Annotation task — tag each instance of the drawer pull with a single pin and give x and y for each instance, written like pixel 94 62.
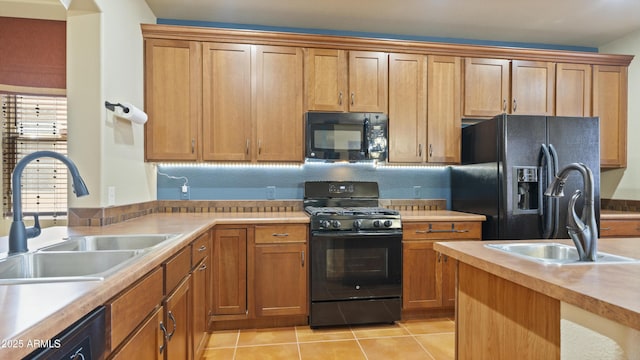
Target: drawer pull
pixel 203 267
pixel 202 248
pixel 431 230
pixel 280 234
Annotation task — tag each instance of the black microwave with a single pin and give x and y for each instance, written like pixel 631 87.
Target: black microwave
pixel 336 136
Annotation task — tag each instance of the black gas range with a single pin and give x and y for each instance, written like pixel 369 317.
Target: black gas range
pixel 355 255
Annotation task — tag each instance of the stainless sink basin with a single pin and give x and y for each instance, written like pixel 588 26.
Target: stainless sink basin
pixel 555 253
pixel 110 242
pixel 62 266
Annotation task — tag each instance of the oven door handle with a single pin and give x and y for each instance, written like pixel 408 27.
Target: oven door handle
pixel 340 234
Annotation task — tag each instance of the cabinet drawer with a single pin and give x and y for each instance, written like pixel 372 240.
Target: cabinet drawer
pixel 176 268
pixel 281 233
pixel 127 310
pixel 200 248
pixel 619 228
pixel 442 230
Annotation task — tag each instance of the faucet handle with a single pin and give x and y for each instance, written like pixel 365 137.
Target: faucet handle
pixel 35 230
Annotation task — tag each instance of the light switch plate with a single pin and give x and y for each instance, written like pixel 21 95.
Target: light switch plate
pixel 271 192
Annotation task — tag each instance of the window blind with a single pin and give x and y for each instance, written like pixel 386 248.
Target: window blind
pixel 33 123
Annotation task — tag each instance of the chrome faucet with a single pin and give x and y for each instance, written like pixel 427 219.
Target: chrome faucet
pixel 18 234
pixel 582 230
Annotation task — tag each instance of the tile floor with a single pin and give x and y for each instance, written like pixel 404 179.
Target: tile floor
pixel 431 339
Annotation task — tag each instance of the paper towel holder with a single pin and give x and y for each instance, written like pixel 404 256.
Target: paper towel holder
pixel 112 106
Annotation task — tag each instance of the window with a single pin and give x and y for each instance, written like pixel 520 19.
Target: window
pixel 33 123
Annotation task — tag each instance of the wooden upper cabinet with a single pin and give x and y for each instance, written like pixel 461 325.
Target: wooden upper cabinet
pixel 444 93
pixel 407 107
pixel 610 104
pixel 326 79
pixel 486 87
pixel 573 89
pixel 173 77
pixel 226 110
pixel 279 104
pixel 368 82
pixel 532 87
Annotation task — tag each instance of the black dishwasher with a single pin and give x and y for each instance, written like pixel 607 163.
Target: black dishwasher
pixel 85 339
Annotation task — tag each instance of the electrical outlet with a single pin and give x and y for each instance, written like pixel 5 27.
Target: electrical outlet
pixel 417 190
pixel 185 193
pixel 271 192
pixel 111 195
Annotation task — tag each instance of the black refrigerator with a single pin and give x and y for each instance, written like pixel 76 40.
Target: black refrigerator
pixel 507 163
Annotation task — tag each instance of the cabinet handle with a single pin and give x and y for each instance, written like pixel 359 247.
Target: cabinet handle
pixel 175 325
pixel 280 234
pixel 439 257
pixel 353 99
pixel 504 104
pixel 431 230
pixel 203 267
pixel 419 150
pixel 164 337
pixel 430 150
pixel 302 258
pixel 202 248
pixel 193 146
pixel 340 98
pixel 259 147
pixel 515 105
pixel 246 148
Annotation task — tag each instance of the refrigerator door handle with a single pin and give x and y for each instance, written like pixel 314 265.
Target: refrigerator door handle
pixel 546 162
pixel 555 201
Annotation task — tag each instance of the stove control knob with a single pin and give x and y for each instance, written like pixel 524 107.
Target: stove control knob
pixel 376 223
pixel 357 224
pixel 388 223
pixel 336 224
pixel 325 224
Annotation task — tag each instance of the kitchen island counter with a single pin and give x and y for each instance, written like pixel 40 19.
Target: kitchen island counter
pixel 540 293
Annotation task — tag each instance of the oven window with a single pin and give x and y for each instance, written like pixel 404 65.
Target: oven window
pixel 338 138
pixel 357 264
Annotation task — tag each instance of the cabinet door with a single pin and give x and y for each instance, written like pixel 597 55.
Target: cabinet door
pixel 486 86
pixel 443 109
pixel 177 320
pixel 532 87
pixel 421 276
pixel 610 104
pixel 449 268
pixel 173 76
pixel 147 342
pixel 573 90
pixel 407 107
pixel 281 279
pixel 229 274
pixel 279 115
pixel 226 108
pixel 326 79
pixel 200 280
pixel 368 81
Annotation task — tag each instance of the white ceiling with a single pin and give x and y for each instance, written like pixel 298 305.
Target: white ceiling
pixel 590 23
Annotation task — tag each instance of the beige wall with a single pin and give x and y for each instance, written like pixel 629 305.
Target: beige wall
pixel 625 183
pixel 104 62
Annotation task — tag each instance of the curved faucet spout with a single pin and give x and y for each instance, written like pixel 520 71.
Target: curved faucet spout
pixel 582 230
pixel 18 234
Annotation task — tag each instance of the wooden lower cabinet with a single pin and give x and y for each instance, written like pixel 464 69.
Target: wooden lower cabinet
pixel 229 274
pixel 200 280
pixel 281 279
pixel 147 342
pixel 428 278
pixel 619 228
pixel 177 320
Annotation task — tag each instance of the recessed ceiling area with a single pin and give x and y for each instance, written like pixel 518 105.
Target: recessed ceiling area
pixel 587 23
